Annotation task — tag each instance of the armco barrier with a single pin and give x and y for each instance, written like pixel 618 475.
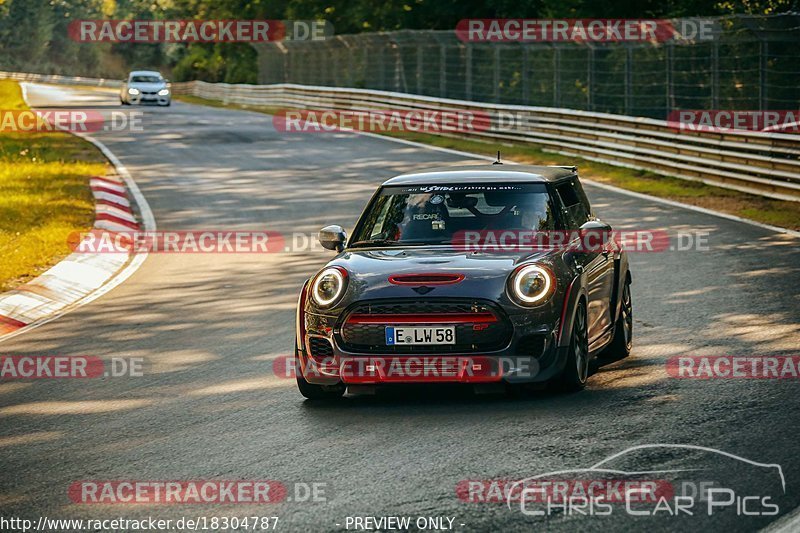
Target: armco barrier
pixel 60 80
pixel 766 164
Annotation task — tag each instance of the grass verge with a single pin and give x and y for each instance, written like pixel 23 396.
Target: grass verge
pixel 775 212
pixel 44 179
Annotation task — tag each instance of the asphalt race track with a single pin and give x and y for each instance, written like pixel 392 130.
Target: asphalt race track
pixel 208 327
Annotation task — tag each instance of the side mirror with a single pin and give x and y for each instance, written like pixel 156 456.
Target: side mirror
pixel 595 233
pixel 595 225
pixel 332 238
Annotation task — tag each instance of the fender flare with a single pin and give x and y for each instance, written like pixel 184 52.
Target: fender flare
pixel 575 291
pixel 621 273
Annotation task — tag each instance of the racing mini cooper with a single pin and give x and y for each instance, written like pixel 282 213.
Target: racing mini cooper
pixel 472 274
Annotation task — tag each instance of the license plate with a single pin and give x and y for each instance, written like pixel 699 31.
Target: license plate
pixel 408 336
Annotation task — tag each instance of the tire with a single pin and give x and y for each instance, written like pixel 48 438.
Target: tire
pixel 621 344
pixel 318 392
pixel 576 372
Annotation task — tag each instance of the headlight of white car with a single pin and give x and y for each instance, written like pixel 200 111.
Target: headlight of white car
pixel 133 91
pixel 163 92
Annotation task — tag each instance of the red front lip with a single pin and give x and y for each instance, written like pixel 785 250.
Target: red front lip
pixel 420 369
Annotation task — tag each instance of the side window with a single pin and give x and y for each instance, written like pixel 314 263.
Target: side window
pixel 574 200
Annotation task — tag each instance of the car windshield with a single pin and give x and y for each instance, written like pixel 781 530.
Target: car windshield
pixel 146 79
pixel 439 214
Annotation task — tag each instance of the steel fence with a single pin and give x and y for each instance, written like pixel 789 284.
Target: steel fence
pixel 750 64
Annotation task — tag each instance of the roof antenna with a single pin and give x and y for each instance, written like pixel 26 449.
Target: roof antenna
pixel 498 159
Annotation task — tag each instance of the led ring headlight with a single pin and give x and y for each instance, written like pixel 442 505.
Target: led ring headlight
pixel 531 284
pixel 328 286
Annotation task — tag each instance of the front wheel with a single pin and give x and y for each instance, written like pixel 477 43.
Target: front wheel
pixel 317 392
pixel 576 371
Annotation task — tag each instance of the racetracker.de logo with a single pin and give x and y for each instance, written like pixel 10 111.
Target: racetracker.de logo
pixel 584 30
pixel 380 121
pixel 732 120
pixel 734 367
pixel 98 241
pixel 562 490
pixel 177 492
pixel 175 31
pixel 591 241
pixel 198 31
pixel 71 120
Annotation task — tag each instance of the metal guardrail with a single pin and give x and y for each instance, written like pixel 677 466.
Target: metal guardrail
pixel 60 80
pixel 765 164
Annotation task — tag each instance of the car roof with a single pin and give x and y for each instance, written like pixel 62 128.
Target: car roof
pixel 144 73
pixel 484 173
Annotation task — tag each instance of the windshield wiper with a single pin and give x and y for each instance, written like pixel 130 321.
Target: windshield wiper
pixel 374 242
pixel 387 242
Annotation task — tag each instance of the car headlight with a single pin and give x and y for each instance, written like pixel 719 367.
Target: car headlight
pixel 531 285
pixel 328 286
pixel 163 92
pixel 133 91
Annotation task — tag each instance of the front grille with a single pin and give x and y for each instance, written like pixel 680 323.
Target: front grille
pixel 480 326
pixel 320 348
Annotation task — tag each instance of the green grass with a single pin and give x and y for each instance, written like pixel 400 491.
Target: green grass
pixel 44 194
pixel 750 206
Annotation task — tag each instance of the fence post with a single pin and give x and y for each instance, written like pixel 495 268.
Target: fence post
pixel 468 71
pixel 556 76
pixel 590 78
pixel 398 68
pixel 442 70
pixel 496 74
pixel 763 102
pixel 628 78
pixel 715 74
pixel 420 57
pixel 670 62
pixel 525 79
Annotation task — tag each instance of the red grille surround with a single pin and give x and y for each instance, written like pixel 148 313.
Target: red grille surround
pixel 425 279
